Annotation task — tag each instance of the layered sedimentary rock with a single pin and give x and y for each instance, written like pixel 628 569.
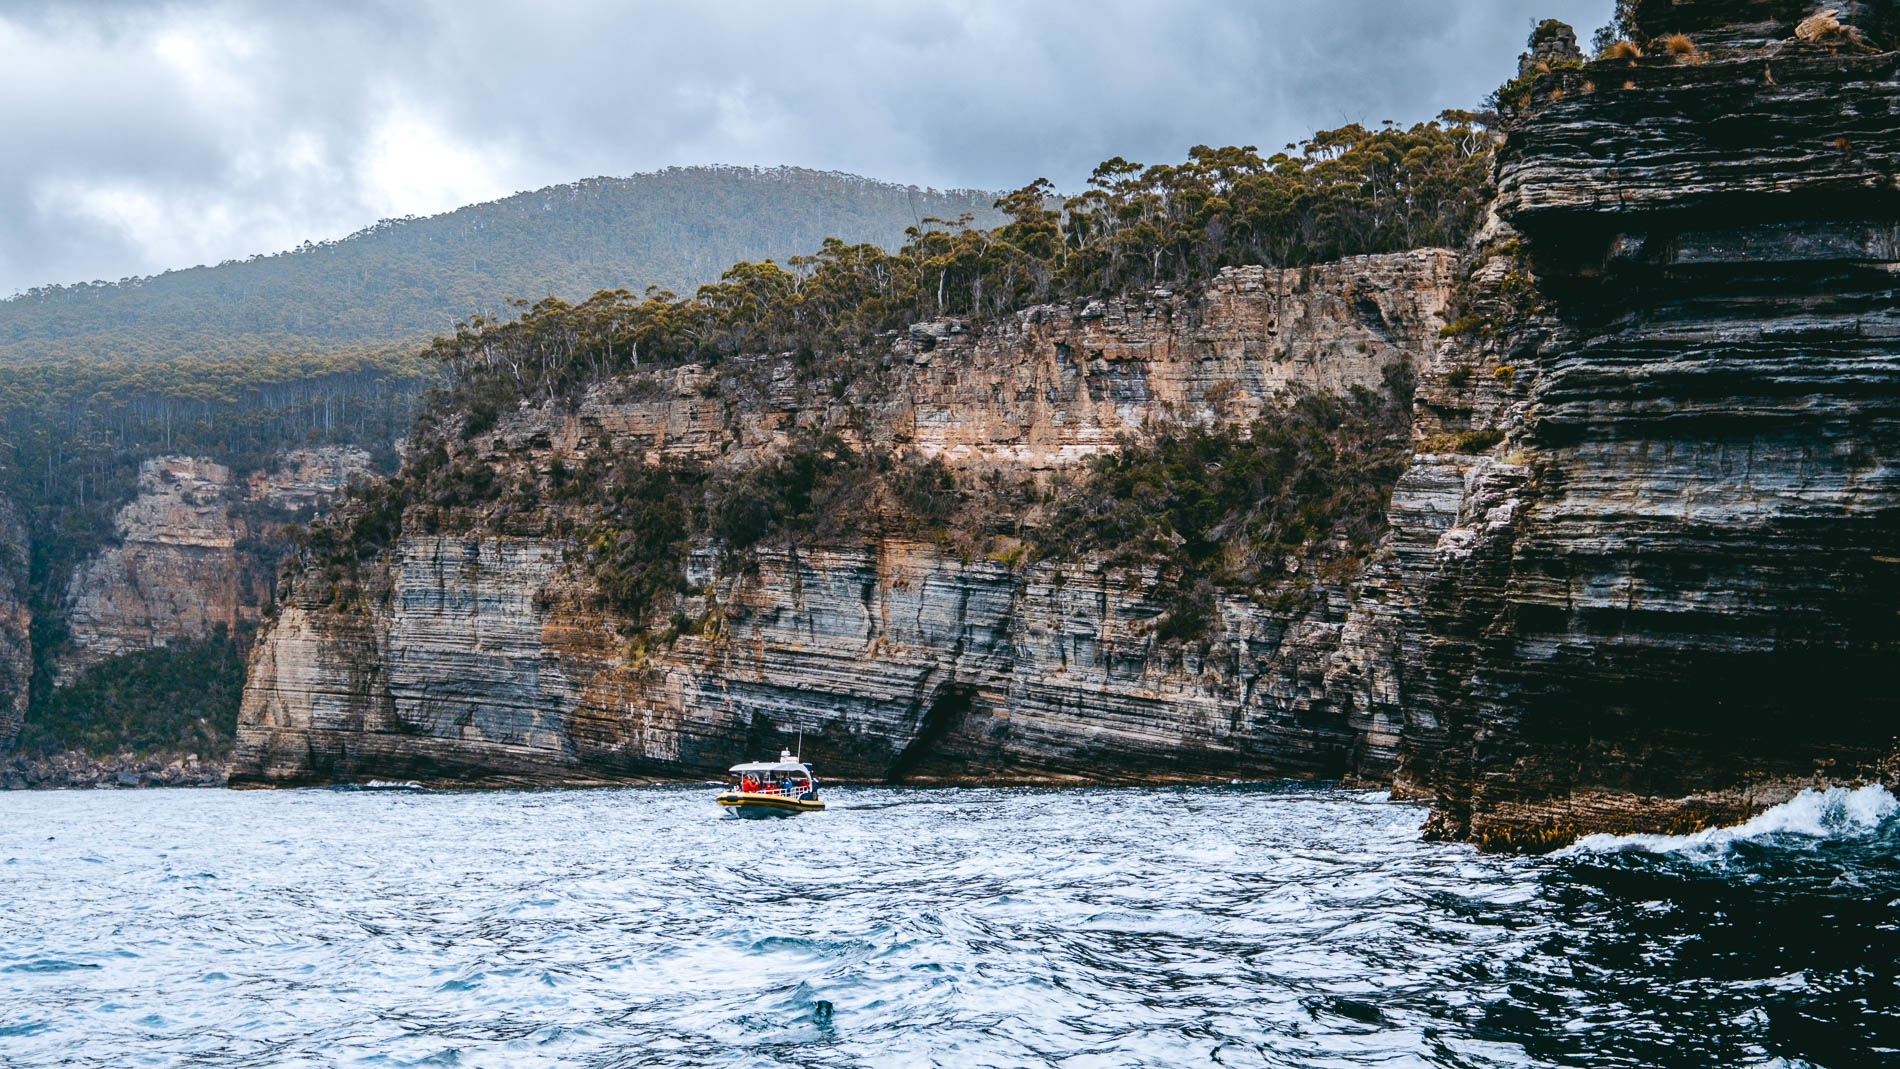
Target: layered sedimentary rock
pixel 894 660
pixel 192 555
pixel 1669 596
pixel 1048 386
pixel 485 658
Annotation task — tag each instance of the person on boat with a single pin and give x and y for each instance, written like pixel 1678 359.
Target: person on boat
pixel 749 784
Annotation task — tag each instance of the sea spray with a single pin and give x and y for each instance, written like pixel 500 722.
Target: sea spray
pixel 1834 813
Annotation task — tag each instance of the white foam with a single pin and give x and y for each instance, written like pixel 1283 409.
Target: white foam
pixel 1837 812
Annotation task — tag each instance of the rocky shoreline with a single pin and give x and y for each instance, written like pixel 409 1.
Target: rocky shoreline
pixel 75 770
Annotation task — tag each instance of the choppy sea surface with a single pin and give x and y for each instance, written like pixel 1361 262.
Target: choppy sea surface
pixel 1227 926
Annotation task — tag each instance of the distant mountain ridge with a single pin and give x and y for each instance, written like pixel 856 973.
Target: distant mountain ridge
pixel 405 280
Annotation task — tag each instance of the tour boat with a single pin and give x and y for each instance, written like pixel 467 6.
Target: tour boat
pixel 772 789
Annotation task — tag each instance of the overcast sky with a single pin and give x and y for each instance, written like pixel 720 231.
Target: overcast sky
pixel 135 137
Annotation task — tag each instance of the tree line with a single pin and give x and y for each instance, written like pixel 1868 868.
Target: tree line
pixel 402 281
pixel 1342 192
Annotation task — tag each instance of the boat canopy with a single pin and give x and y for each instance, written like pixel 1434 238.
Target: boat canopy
pixel 785 763
pixel 773 766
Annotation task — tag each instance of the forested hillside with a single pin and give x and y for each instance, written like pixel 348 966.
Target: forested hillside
pixel 404 280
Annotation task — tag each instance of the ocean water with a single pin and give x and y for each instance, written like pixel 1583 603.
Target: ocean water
pixel 1229 926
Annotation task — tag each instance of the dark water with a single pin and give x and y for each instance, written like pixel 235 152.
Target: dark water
pixel 1217 926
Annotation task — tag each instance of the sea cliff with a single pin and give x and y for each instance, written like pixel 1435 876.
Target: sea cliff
pixel 485 657
pixel 193 553
pixel 1667 597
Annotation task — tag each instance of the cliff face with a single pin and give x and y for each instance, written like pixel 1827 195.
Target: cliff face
pixel 174 574
pixel 190 557
pixel 1667 598
pixel 1042 389
pixel 483 657
pixel 895 661
pixel 303 480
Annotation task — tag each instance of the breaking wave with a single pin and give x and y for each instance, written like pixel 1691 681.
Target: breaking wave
pixel 1834 813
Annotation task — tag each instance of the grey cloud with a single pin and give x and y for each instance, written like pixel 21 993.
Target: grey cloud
pixel 138 138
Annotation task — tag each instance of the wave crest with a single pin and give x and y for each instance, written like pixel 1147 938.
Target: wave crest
pixel 1834 813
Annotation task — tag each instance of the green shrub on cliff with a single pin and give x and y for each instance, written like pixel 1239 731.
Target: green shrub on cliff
pixel 175 697
pixel 818 489
pixel 1237 505
pixel 638 545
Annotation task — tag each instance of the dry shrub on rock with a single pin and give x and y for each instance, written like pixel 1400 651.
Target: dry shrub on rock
pixel 1679 48
pixel 1620 50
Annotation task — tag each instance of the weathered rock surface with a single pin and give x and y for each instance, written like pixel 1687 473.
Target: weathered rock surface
pixel 484 658
pixel 1052 387
pixel 175 573
pixel 192 554
pixel 1668 597
pixel 1048 386
pixel 305 479
pixel 895 661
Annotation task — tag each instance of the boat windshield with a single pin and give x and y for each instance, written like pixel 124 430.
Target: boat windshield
pixel 770 783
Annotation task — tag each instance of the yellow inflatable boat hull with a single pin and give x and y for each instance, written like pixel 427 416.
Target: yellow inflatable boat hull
pixel 746 804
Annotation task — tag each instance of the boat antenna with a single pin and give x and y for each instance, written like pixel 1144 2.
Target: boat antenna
pixel 801 744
